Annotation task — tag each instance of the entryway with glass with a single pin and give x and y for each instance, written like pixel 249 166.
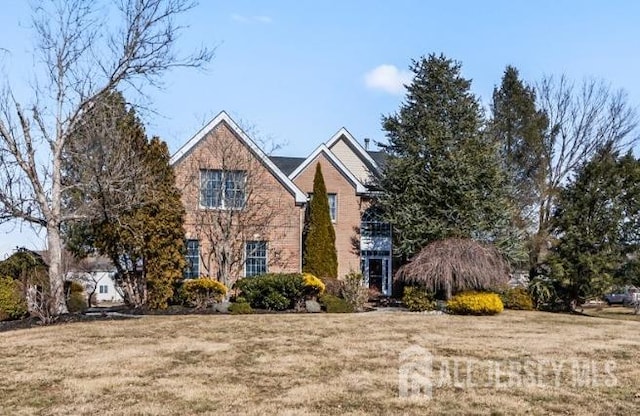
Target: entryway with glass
pixel 375 251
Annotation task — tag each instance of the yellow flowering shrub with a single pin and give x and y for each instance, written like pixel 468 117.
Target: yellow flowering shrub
pixel 312 284
pixel 475 303
pixel 203 292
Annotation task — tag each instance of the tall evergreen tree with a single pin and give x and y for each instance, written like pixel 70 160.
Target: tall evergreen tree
pixel 443 177
pixel 320 257
pixel 133 209
pixel 518 126
pixel 596 223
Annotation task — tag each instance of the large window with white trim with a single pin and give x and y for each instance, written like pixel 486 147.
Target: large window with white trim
pixel 222 189
pixel 192 270
pixel 255 258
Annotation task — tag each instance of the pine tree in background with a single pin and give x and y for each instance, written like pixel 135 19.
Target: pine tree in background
pixel 596 221
pixel 443 176
pixel 519 129
pixel 320 257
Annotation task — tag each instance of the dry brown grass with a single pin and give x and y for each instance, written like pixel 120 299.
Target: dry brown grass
pixel 307 364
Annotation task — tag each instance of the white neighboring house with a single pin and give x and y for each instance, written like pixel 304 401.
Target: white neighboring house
pixel 96 273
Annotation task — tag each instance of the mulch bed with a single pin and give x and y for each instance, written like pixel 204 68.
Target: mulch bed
pixel 32 322
pixel 123 312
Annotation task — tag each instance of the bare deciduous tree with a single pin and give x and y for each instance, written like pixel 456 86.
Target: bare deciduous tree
pixel 582 118
pixel 82 57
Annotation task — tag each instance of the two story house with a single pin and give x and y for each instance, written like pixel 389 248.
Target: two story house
pixel 246 210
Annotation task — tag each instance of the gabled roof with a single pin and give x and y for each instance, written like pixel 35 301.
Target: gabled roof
pixel 354 145
pixel 286 164
pixel 223 117
pixel 323 149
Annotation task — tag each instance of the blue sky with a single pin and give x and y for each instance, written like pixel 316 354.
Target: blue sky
pixel 297 71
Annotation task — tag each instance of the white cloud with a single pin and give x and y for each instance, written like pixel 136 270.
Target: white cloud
pixel 251 19
pixel 263 19
pixel 387 78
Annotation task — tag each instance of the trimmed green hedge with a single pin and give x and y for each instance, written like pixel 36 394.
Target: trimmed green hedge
pixel 517 298
pixel 334 304
pixel 417 299
pixel 273 291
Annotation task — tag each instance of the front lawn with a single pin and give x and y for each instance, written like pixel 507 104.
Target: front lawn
pixel 321 364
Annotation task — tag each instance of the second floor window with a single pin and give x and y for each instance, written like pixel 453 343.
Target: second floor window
pixel 333 206
pixel 223 189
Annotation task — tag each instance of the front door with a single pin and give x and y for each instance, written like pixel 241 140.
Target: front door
pixel 376 274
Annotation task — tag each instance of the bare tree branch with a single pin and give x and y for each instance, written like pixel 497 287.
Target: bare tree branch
pixel 83 56
pixel 582 118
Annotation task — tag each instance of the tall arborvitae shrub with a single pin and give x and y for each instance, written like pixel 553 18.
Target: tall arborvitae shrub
pixel 320 257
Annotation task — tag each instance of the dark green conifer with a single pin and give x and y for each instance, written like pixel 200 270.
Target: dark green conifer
pixel 320 257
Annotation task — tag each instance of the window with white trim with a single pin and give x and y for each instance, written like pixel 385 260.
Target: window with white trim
pixel 255 258
pixel 192 270
pixel 103 289
pixel 333 206
pixel 222 189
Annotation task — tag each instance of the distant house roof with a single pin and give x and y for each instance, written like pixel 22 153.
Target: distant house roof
pixel 95 264
pixel 287 164
pixel 91 263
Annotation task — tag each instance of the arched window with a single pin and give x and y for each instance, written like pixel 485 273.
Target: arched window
pixel 372 224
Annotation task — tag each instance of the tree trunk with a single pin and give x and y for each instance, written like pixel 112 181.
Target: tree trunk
pixel 58 304
pixel 224 264
pixel 134 286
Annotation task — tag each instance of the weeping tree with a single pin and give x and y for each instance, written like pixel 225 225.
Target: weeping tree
pixel 85 49
pixel 454 264
pixel 320 256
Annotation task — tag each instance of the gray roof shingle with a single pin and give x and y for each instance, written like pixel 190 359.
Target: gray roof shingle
pixel 378 156
pixel 287 164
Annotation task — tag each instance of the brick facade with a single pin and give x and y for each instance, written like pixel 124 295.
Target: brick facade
pixel 275 201
pixel 271 213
